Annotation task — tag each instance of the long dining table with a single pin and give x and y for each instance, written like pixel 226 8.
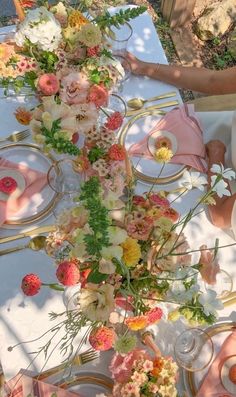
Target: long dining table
pixel 23 318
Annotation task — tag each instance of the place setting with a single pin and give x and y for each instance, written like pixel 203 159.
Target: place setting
pixel 107 291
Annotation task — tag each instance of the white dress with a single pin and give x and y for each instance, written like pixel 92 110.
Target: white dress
pixel 222 126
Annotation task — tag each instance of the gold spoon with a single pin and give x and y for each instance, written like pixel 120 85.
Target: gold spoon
pixel 137 103
pixel 36 243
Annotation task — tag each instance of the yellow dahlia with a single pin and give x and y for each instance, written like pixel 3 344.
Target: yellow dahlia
pixel 163 155
pixel 131 251
pixel 76 19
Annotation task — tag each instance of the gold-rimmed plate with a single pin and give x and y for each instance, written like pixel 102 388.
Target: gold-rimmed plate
pixel 146 169
pixel 218 333
pixel 41 203
pixel 88 384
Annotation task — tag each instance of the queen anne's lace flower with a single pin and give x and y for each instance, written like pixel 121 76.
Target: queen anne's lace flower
pixel 41 29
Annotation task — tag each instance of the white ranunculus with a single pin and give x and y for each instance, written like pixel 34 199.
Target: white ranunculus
pixel 97 302
pixel 39 28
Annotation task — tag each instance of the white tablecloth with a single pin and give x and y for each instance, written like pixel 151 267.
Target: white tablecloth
pixel 25 318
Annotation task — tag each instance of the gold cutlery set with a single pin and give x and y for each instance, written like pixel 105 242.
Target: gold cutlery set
pixel 136 104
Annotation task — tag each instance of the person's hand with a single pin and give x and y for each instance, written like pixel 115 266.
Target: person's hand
pixel 137 66
pixel 215 149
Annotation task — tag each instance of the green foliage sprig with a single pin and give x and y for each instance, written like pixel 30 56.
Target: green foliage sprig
pixel 98 218
pixel 59 144
pixel 107 20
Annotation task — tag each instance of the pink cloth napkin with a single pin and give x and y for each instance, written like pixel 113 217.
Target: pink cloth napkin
pixel 34 181
pixel 211 385
pixel 183 123
pixel 22 386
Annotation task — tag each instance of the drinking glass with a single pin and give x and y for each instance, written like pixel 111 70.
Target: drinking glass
pixel 124 74
pixel 223 285
pixel 115 104
pixel 119 42
pixel 193 349
pixel 63 178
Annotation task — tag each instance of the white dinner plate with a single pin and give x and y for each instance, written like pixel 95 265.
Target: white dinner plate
pixel 40 203
pixel 218 332
pixel 87 383
pixel 146 169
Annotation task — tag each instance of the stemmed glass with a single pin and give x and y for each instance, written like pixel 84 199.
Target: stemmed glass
pixel 124 75
pixel 115 104
pixel 119 37
pixel 193 349
pixel 223 285
pixel 63 178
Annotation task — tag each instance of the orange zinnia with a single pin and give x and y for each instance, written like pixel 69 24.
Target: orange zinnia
pixel 136 323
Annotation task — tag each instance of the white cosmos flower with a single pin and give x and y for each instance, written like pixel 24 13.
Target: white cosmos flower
pixel 210 303
pixel 220 187
pixel 193 179
pixel 227 173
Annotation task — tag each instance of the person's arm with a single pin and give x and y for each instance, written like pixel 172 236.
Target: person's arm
pixel 196 79
pixel 221 212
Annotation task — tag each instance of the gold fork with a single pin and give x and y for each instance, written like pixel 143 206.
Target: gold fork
pixel 78 360
pixel 16 136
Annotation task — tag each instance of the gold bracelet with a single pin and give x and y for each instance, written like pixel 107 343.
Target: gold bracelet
pixel 157 67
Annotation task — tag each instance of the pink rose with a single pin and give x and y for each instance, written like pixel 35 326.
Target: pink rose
pixel 75 88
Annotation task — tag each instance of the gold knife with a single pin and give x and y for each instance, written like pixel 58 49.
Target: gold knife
pixel 157 106
pixel 33 232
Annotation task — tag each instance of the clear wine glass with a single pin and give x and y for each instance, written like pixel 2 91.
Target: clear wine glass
pixel 223 285
pixel 193 349
pixel 124 73
pixel 115 104
pixel 118 40
pixel 63 178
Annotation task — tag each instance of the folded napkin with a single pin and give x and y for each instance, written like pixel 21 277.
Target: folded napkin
pixel 211 385
pixel 22 385
pixel 182 122
pixel 34 182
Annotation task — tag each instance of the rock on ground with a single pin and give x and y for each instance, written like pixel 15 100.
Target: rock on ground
pixel 216 20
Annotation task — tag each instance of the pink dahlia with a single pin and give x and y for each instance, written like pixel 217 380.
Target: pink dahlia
pixel 68 273
pixel 98 95
pixel 114 121
pixel 102 338
pixel 155 199
pixel 117 152
pixel 154 315
pixel 48 84
pixel 31 284
pixel 8 185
